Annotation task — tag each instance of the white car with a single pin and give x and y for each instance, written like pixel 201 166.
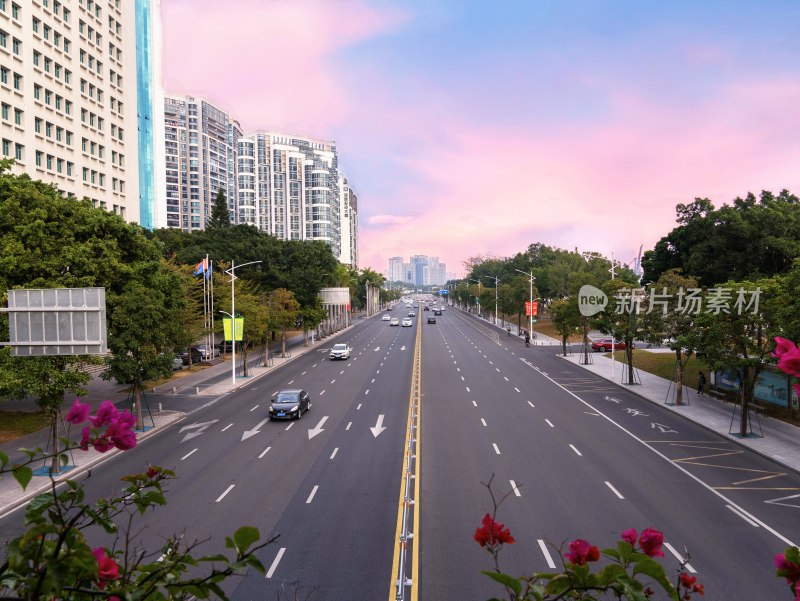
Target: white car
pixel 340 351
pixel 394 322
pixel 407 323
pixel 386 317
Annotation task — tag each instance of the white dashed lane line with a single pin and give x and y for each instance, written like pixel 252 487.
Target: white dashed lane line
pixel 614 490
pixel 577 452
pixel 226 427
pixel 549 423
pixel 546 552
pixel 275 562
pixel 289 427
pixel 515 489
pixel 188 454
pixel 531 404
pixel 348 425
pixel 483 421
pixel 264 452
pixel 254 408
pixel 677 555
pixel 496 450
pixel 227 490
pixel 336 450
pixel 313 492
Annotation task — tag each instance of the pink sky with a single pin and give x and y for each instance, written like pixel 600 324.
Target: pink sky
pixel 453 157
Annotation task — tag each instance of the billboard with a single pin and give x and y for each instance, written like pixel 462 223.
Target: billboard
pixel 57 321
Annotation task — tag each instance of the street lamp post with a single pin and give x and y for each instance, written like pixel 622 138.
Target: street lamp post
pixel 233 316
pixel 496 286
pixel 479 294
pixel 530 275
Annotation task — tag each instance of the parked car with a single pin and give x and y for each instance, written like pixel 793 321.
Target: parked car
pixel 177 363
pixel 407 323
pixel 289 404
pixel 386 317
pixel 431 319
pixel 340 351
pixel 208 353
pixel 394 322
pixel 604 345
pixel 225 347
pixel 197 356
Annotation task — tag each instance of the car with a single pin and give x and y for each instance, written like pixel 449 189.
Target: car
pixel 177 363
pixel 394 322
pixel 289 404
pixel 604 345
pixel 412 314
pixel 437 311
pixel 225 347
pixel 340 351
pixel 407 323
pixel 197 356
pixel 386 317
pixel 431 319
pixel 208 354
pixel 427 308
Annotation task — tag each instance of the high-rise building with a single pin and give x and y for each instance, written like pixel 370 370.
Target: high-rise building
pixel 422 270
pixel 397 272
pixel 68 97
pixel 348 212
pixel 198 157
pixel 289 187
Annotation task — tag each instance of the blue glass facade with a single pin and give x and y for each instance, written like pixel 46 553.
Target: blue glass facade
pixel 144 109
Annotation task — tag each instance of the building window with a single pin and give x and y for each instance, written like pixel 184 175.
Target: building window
pixel 69 168
pixel 16 46
pixel 4 73
pixel 48 129
pixel 59 165
pixel 37 125
pixel 18 116
pixel 18 151
pixel 36 23
pixel 6 111
pixel 17 81
pixel 37 91
pixel 68 107
pixel 86 174
pixel 6 147
pixel 15 10
pixel 49 162
pixel 59 133
pixel 36 56
pixel 3 38
pixel 39 155
pixel 58 102
pixel 65 15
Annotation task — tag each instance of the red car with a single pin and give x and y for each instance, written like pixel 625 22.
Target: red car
pixel 604 345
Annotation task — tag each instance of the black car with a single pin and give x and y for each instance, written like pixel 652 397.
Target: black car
pixel 289 404
pixel 437 311
pixel 431 319
pixel 197 356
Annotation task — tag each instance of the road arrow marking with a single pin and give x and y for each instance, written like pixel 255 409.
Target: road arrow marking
pixel 312 433
pixel 377 348
pixel 378 428
pixel 248 433
pixel 402 348
pixel 200 429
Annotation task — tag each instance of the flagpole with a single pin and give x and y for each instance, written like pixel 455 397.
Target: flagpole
pixel 211 297
pixel 208 305
pixel 205 304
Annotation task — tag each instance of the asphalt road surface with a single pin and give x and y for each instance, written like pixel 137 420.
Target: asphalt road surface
pixel 571 456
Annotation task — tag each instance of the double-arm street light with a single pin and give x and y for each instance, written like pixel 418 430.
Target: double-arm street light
pixel 496 286
pixel 479 294
pixel 530 275
pixel 233 316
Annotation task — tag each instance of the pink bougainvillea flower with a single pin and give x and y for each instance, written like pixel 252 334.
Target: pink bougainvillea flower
pixel 789 362
pixel 107 568
pixel 86 434
pixel 106 413
pixel 126 419
pixel 630 535
pixel 651 541
pixel 492 533
pixel 787 569
pixel 782 345
pixel 120 435
pixel 581 552
pixel 78 413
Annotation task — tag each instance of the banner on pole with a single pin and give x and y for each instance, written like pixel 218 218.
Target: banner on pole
pixel 531 308
pixel 226 327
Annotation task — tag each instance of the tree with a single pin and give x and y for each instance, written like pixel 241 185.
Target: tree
pixel 668 317
pixel 284 310
pixel 220 216
pixel 566 318
pixel 737 335
pixel 623 318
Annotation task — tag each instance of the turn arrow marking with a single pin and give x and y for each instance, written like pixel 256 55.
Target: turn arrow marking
pixel 312 433
pixel 200 429
pixel 248 433
pixel 378 428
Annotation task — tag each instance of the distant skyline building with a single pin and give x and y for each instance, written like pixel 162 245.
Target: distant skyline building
pixel 348 211
pixel 68 96
pixel 421 270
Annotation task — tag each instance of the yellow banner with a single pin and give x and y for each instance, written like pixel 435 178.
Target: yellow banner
pixel 226 326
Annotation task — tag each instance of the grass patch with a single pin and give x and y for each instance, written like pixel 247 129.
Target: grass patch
pixel 14 424
pixel 663 365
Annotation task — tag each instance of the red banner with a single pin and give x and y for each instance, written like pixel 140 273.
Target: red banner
pixel 531 308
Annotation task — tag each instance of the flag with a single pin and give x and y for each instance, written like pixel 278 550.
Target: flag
pixel 201 267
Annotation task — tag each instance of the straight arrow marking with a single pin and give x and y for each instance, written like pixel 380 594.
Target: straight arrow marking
pixel 248 433
pixel 378 428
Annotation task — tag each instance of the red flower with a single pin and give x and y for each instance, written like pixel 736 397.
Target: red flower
pixel 629 536
pixel 78 413
pixel 120 434
pixel 152 472
pixel 106 413
pixel 782 345
pixel 687 580
pixel 581 552
pixel 107 568
pixel 789 362
pixel 651 541
pixel 787 569
pixel 492 533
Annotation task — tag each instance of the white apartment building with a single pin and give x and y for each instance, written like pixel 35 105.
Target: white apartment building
pixel 289 187
pixel 348 211
pixel 68 97
pixel 398 271
pixel 199 159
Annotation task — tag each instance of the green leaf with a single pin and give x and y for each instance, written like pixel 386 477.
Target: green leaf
pixel 23 475
pixel 655 570
pixel 244 537
pixel 3 459
pixel 513 583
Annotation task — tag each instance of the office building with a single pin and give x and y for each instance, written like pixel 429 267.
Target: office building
pixel 422 270
pixel 68 97
pixel 397 272
pixel 348 211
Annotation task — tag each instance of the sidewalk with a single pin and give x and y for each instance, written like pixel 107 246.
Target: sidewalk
pixel 210 382
pixel 780 441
